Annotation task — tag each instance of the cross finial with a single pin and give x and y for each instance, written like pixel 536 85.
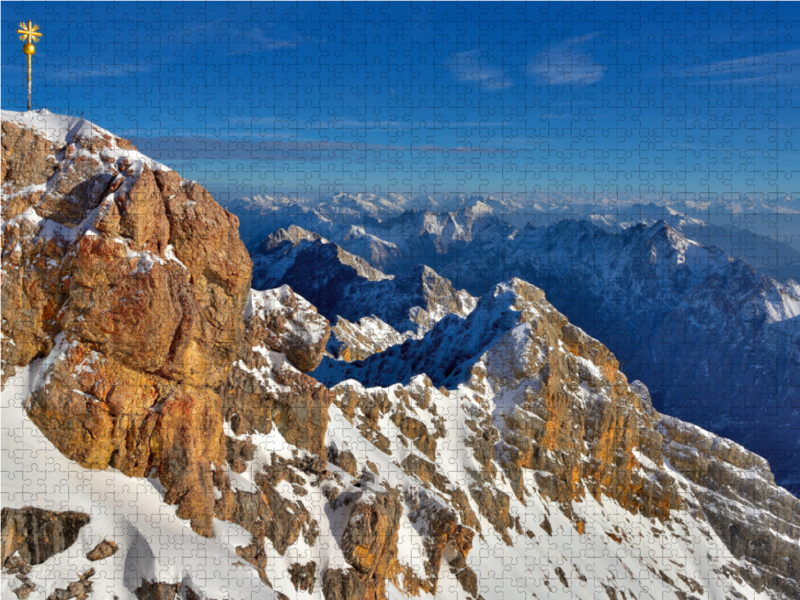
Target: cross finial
pixel 29 33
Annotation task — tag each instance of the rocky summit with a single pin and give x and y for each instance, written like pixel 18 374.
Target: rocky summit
pixel 168 431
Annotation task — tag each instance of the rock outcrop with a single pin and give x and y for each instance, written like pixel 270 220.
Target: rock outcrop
pixel 136 301
pixel 103 550
pixel 35 534
pixel 136 297
pixel 284 336
pixel 285 322
pixel 357 341
pixel 369 540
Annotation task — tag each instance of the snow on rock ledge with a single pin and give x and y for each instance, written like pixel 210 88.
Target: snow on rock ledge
pixel 288 323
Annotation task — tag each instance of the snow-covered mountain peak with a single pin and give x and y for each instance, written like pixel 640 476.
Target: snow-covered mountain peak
pixel 292 234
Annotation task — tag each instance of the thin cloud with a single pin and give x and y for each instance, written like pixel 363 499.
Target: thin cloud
pixel 472 67
pixel 567 63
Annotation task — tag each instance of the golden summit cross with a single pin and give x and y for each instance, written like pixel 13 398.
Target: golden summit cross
pixel 30 34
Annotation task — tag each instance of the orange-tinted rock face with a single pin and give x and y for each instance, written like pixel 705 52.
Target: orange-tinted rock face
pixel 27 160
pixel 577 422
pixel 142 278
pixel 369 541
pixel 130 313
pixel 103 414
pixel 33 292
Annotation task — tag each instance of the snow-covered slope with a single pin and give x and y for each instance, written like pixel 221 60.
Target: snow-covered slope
pixel 467 494
pixel 520 408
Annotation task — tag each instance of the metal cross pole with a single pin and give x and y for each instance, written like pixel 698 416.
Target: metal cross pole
pixel 29 34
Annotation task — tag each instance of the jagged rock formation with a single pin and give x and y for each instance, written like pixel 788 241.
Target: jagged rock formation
pixel 729 484
pixel 356 341
pixel 501 453
pixel 383 229
pixel 287 323
pixel 343 285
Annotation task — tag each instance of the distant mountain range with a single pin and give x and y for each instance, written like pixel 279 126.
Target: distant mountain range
pixel 762 236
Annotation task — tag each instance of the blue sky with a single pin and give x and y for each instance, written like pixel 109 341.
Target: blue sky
pixel 422 98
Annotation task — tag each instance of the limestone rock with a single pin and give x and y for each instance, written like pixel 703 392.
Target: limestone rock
pixel 103 550
pixel 494 505
pixel 265 513
pixel 101 413
pixel 33 290
pixel 155 285
pixel 465 575
pixel 238 453
pixel 285 322
pixel 37 534
pixel 369 540
pixel 338 584
pixel 28 160
pixel 344 459
pixel 303 576
pixel 426 471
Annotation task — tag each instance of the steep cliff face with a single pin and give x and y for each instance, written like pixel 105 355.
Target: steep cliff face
pixel 132 283
pixel 165 439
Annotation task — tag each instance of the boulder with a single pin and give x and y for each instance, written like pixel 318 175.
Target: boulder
pixel 37 534
pixel 103 550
